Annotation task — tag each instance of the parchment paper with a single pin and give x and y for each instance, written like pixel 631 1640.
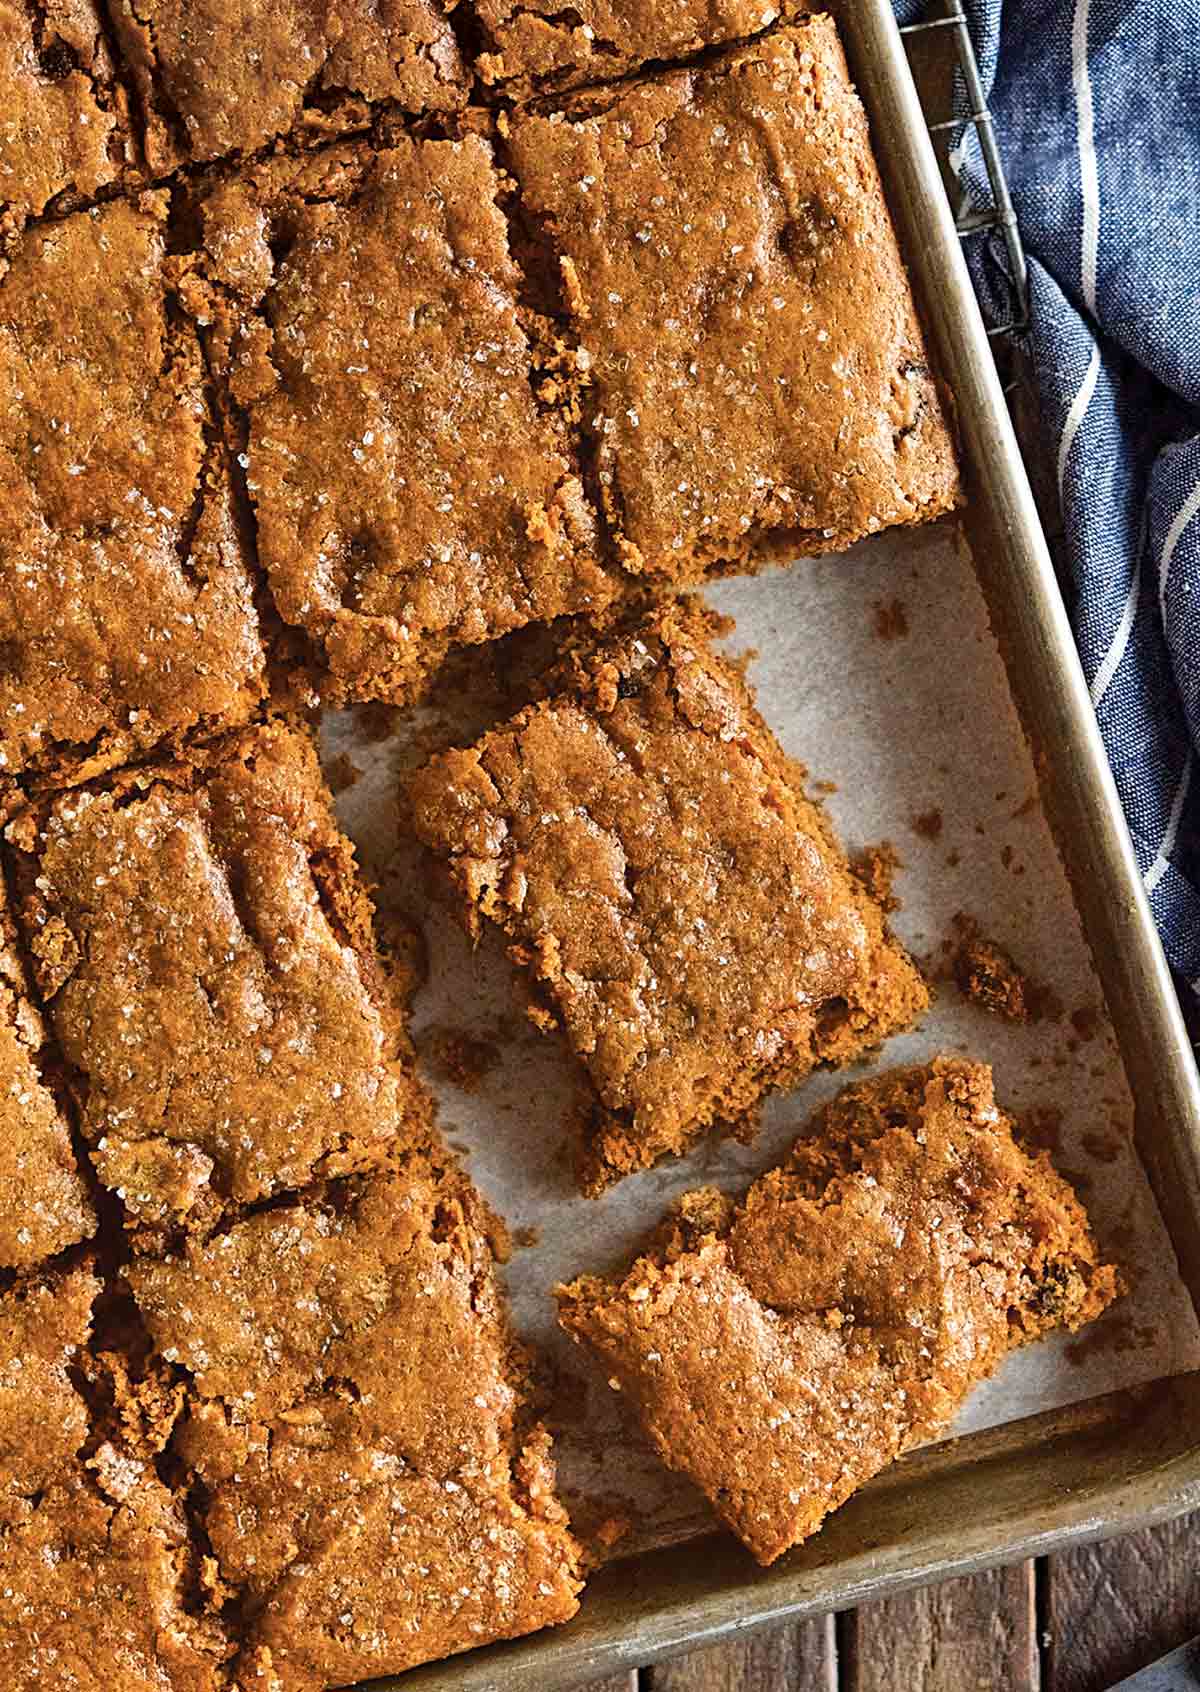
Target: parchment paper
pixel 906 725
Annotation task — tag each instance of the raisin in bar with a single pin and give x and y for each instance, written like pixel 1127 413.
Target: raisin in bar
pixel 44 1201
pixel 681 908
pixel 760 386
pixel 376 1491
pixel 540 45
pixel 126 600
pixel 412 490
pixel 99 1581
pixel 205 952
pixel 783 1350
pixel 212 79
pixel 63 125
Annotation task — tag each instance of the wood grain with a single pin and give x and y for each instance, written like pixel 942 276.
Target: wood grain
pixel 1106 1610
pixel 972 1635
pixel 1111 1609
pixel 799 1657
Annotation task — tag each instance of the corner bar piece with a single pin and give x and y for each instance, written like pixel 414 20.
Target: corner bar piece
pixel 760 385
pixel 783 1350
pixel 127 613
pixel 377 1492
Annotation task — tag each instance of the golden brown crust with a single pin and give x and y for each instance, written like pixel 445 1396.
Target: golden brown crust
pixel 63 125
pixel 44 1202
pixel 760 385
pixel 126 602
pixel 412 491
pixel 532 45
pixel 205 953
pixel 92 1593
pixel 214 78
pixel 44 1325
pixel 375 1492
pixel 95 1564
pixel 783 1351
pixel 681 908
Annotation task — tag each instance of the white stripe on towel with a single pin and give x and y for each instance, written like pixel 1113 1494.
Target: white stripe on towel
pixel 1161 862
pixel 1075 416
pixel 1120 640
pixel 1183 517
pixel 1089 179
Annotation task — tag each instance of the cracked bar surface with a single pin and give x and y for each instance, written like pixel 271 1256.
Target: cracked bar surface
pixel 412 492
pixel 215 79
pixel 63 127
pixel 96 1568
pixel 126 602
pixel 681 909
pixel 759 381
pixel 783 1350
pixel 546 45
pixel 44 1202
pixel 375 1491
pixel 204 949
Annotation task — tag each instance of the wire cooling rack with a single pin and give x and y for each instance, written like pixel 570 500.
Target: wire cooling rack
pixel 959 92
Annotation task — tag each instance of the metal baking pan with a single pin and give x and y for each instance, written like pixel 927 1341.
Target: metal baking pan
pixel 1102 1467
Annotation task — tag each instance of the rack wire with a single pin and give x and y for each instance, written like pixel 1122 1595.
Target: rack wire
pixel 969 110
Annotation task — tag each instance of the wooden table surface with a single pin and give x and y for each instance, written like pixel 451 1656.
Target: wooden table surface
pixel 1071 1623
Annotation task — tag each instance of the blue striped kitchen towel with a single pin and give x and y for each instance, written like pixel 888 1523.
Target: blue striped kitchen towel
pixel 1097 110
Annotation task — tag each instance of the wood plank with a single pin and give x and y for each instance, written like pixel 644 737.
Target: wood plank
pixel 616 1683
pixel 798 1657
pixel 978 1634
pixel 1111 1609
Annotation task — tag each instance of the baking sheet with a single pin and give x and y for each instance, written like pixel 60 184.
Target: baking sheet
pixel 878 670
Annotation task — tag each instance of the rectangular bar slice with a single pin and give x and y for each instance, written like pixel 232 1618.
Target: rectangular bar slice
pixel 411 463
pixel 97 1573
pixel 44 1202
pixel 760 386
pixel 63 125
pixel 681 908
pixel 376 1490
pixel 538 43
pixel 126 599
pixel 213 79
pixel 783 1350
pixel 205 952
